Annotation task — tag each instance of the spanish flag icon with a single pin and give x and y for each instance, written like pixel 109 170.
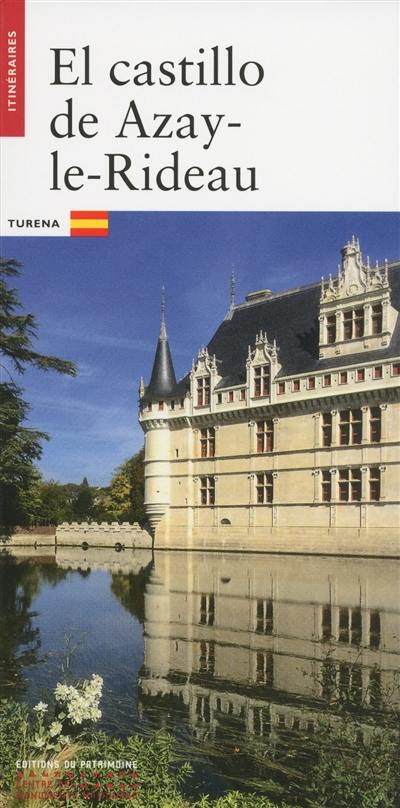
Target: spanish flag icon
pixel 89 223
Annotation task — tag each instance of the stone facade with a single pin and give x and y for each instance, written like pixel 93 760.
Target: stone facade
pixel 285 434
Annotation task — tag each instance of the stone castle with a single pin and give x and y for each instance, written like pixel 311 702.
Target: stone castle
pixel 284 436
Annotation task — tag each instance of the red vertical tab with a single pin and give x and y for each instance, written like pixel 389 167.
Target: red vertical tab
pixel 12 68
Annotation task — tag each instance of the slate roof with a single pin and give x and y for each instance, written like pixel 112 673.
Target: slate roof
pixel 163 380
pixel 292 319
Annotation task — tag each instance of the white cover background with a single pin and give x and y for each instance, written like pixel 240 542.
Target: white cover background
pixel 322 128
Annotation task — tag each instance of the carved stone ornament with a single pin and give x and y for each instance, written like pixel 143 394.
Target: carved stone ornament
pixel 204 365
pixel 263 352
pixel 354 277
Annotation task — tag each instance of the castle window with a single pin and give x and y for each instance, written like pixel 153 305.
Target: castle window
pixel 353 323
pixel 349 485
pixel 378 372
pixel 374 484
pixel 396 369
pixel 243 394
pixel 343 377
pixel 160 405
pixel 207 490
pixel 262 721
pixel 350 625
pixel 230 396
pixel 207 442
pixel 327 380
pixel 265 436
pixel 203 711
pixel 375 424
pixel 207 610
pixel 203 391
pixel 374 630
pixel 264 488
pixel 326 622
pixel 282 388
pixel 149 407
pixel 265 668
pixel 350 427
pixel 219 398
pixel 326 482
pixel 331 329
pixel 377 319
pixel 182 403
pixel 265 616
pixel 359 323
pixel 172 405
pixel 207 657
pixel 348 324
pixel 311 383
pixel 360 375
pixel 261 380
pixel 295 385
pixel 326 429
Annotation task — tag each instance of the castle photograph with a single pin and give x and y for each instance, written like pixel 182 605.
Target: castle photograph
pixel 284 435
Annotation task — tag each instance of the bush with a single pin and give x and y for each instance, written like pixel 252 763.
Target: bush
pixel 356 767
pixel 13 727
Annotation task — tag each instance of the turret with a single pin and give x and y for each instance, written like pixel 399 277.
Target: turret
pixel 163 379
pixel 156 427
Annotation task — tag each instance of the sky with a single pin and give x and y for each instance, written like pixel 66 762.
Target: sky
pixel 97 303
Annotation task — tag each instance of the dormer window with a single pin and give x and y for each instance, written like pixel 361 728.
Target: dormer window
pixel 355 312
pixel 203 391
pixel 331 329
pixel 377 319
pixel 353 323
pixel 262 366
pixel 261 380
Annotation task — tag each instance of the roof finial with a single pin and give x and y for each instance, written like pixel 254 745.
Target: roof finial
pixel 233 288
pixel 163 330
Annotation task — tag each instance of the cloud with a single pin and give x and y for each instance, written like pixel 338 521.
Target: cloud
pixel 75 331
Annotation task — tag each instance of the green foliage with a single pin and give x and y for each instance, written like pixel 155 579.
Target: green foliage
pixel 351 770
pixel 83 505
pixel 236 800
pixel 356 767
pixel 13 724
pixel 19 446
pixel 18 330
pixel 124 500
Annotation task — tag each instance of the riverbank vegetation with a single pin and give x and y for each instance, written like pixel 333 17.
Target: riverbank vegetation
pixel 353 764
pixel 48 502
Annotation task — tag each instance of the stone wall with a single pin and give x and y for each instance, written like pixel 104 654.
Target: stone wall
pixel 102 534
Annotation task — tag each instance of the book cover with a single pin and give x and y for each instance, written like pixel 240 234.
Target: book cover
pixel 199 415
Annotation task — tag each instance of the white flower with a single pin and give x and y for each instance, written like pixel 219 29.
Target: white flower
pixel 64 739
pixel 61 692
pixel 81 703
pixel 41 707
pixel 55 728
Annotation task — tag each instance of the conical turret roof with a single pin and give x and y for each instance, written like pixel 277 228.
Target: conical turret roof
pixel 163 380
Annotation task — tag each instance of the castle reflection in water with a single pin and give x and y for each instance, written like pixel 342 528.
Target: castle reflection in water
pixel 237 655
pixel 263 642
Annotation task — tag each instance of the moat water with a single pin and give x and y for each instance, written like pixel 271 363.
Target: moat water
pixel 238 656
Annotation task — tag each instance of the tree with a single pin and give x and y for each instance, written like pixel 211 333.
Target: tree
pixel 124 501
pixel 20 446
pixel 83 505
